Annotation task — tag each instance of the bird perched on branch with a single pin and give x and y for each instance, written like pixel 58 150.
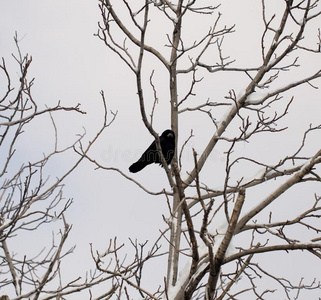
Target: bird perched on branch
pixel 151 155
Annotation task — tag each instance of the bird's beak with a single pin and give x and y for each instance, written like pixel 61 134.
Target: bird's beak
pixel 170 135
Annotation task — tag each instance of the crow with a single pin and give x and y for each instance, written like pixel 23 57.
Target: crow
pixel 151 155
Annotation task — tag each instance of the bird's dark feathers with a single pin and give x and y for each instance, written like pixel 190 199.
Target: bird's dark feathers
pixel 151 155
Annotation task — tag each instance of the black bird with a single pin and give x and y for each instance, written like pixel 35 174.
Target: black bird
pixel 151 155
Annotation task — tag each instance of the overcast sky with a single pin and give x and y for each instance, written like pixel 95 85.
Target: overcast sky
pixel 72 65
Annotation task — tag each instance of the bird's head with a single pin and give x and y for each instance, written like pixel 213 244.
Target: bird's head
pixel 168 134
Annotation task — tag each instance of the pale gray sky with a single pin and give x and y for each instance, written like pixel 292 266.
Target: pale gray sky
pixel 72 65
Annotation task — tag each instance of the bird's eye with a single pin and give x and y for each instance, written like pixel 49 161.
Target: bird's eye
pixel 170 135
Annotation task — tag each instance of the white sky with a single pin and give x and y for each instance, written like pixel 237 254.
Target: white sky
pixel 72 65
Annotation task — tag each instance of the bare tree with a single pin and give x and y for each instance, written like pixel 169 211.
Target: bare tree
pixel 30 198
pixel 222 211
pixel 216 233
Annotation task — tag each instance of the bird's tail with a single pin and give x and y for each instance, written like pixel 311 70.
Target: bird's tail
pixel 137 166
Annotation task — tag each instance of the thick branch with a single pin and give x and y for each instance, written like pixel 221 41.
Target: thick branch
pixel 297 177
